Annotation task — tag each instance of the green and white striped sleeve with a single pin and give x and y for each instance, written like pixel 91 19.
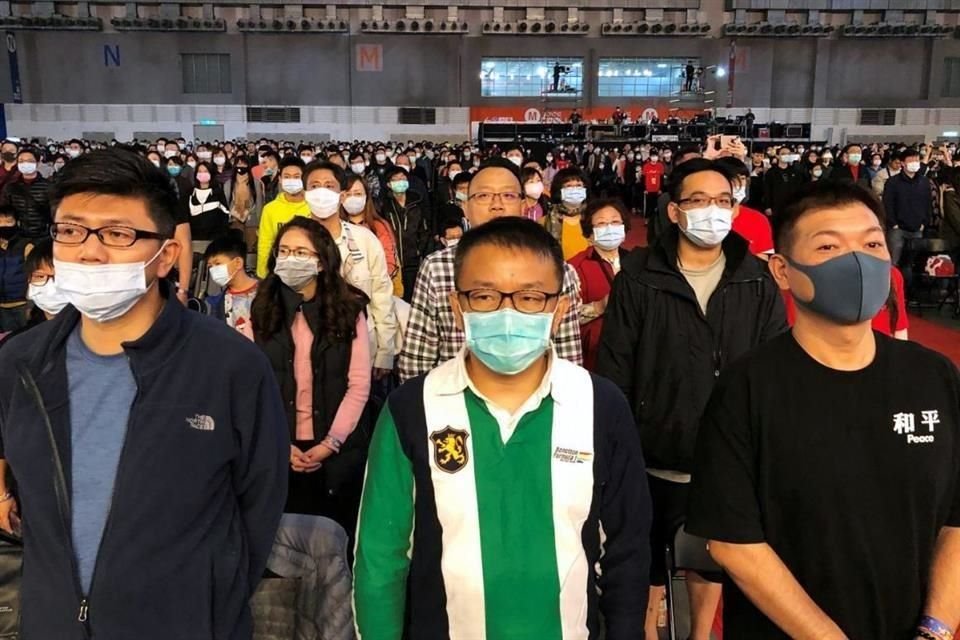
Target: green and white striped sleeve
pixel 384 536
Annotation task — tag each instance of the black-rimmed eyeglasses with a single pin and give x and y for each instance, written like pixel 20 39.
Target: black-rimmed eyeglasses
pixel 119 236
pixel 526 301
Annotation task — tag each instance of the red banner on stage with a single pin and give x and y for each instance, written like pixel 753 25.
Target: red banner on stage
pixel 539 114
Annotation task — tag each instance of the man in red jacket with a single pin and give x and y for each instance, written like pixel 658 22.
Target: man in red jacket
pixel 652 183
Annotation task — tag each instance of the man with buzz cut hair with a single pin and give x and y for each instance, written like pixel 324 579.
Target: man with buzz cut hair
pixel 505 494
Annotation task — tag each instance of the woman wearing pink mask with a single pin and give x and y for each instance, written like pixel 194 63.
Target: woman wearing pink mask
pixel 534 200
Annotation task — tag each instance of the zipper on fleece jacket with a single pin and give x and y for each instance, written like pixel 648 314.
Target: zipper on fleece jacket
pixel 65 506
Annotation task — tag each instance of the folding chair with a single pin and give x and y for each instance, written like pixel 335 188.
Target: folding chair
pixel 686 553
pixel 274 608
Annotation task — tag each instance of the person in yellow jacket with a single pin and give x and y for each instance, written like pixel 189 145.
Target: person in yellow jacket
pixel 289 204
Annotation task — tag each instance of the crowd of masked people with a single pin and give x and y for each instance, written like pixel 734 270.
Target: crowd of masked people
pixel 434 385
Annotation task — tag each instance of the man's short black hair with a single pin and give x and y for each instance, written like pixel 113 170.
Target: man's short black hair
pixel 325 165
pixel 32 151
pixel 9 211
pixel 355 155
pixel 116 172
pixel 291 161
pixel 686 169
pixel 396 170
pixel 511 232
pixel 450 222
pixel 500 163
pixel 464 177
pixel 816 196
pixel 909 153
pixel 41 255
pixel 230 244
pixel 734 166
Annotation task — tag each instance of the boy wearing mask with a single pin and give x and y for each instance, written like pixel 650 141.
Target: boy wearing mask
pixel 291 202
pixel 226 260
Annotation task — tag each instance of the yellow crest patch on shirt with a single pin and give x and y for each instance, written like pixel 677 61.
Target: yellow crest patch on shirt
pixel 450 449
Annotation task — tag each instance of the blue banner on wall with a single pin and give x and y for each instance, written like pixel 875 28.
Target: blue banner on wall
pixel 14 68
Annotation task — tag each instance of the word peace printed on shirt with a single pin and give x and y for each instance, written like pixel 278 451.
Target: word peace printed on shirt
pixel 905 424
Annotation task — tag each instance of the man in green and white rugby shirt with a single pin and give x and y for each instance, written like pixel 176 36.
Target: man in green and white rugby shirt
pixel 506 496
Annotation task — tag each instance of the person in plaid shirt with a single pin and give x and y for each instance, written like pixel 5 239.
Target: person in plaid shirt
pixel 432 336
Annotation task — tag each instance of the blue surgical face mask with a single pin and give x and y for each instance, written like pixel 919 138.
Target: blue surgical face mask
pixel 507 341
pixel 609 237
pixel 708 226
pixel 573 196
pixel 174 170
pixel 399 186
pixel 848 289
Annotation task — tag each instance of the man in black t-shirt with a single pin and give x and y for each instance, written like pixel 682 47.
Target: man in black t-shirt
pixel 827 462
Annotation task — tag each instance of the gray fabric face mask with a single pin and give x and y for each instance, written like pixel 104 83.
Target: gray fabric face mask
pixel 848 289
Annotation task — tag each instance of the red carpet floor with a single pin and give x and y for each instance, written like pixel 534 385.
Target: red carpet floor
pixel 930 334
pixel 937 337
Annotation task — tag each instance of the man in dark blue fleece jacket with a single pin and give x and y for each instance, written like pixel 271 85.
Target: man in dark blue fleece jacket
pixel 149 444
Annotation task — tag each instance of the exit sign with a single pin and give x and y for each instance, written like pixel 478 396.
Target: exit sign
pixel 208 122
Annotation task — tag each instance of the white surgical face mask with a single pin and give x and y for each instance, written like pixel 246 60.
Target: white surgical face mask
pixel 740 194
pixel 451 242
pixel 220 161
pixel 220 273
pixel 381 157
pixel 323 203
pixel 708 226
pixel 517 160
pixel 27 168
pixel 358 167
pixel 573 196
pixel 354 204
pixel 204 155
pixel 47 297
pixel 306 158
pixel 155 163
pixel 169 154
pixel 103 292
pixel 296 274
pixel 853 158
pixel 191 164
pixel 913 167
pixel 73 153
pixel 293 186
